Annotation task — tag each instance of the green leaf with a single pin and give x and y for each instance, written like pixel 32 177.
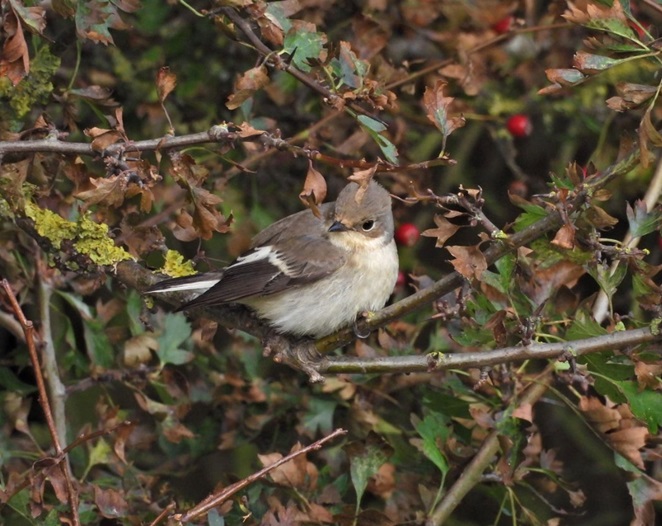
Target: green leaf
pixel 607 278
pixel 584 326
pixel 373 127
pixel 303 46
pixel 347 68
pixel 176 330
pixel 371 124
pixel 641 221
pixel 434 430
pixel 365 459
pixel 319 416
pixel 10 382
pixel 645 404
pixel 532 213
pixel 277 13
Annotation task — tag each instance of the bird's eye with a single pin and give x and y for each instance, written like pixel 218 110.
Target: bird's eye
pixel 367 226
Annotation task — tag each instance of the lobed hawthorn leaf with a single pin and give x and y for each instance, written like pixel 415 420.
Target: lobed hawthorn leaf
pixel 347 68
pixel 34 17
pixel 303 43
pixel 246 85
pixel 642 221
pixel 437 108
pixel 444 230
pixel 434 431
pixel 365 459
pixel 274 21
pixel 469 261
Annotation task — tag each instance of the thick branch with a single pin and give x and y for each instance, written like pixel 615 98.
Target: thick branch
pixel 465 360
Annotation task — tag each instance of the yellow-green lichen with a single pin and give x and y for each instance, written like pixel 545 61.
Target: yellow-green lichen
pixel 88 238
pixel 175 266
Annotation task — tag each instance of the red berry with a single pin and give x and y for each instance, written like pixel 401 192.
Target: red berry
pixel 519 125
pixel 407 234
pixel 504 25
pixel 402 279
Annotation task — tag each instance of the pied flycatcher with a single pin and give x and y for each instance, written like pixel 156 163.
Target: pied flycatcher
pixel 310 276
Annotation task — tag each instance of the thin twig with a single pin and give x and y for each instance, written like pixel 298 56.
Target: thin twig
pixel 216 499
pixel 28 329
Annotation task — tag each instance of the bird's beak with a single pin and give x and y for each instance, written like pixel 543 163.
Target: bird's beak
pixel 337 226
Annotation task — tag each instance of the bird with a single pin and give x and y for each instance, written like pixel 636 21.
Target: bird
pixel 309 276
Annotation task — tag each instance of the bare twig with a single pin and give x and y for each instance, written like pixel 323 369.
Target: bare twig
pixel 465 360
pixel 216 499
pixel 28 329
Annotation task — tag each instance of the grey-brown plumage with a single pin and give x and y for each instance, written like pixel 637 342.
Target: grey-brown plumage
pixel 287 275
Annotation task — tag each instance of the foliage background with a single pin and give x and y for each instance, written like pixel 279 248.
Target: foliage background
pixel 182 406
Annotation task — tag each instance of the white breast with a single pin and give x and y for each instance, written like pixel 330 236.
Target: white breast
pixel 363 284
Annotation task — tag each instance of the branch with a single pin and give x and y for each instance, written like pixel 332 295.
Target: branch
pixel 466 360
pixel 60 461
pixel 471 474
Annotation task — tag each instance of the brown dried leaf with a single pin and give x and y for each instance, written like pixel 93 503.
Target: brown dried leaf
pixel 600 416
pixel 246 130
pixel 102 138
pixel 565 237
pixel 469 261
pixel 445 229
pixel 111 503
pixel 599 218
pixel 165 82
pixel 362 178
pixel 206 218
pixel 175 431
pixel 648 375
pixel 15 58
pixel 246 86
pixel 437 108
pixel 138 349
pixel 296 473
pixel 314 190
pixel 110 191
pixel 628 442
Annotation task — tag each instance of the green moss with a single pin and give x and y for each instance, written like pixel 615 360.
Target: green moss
pixel 175 266
pixel 89 238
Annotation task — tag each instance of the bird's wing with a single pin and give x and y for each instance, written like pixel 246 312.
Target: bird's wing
pixel 293 225
pixel 270 269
